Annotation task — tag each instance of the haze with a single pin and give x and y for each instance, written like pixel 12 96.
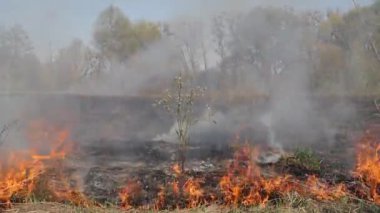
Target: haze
pixel 52 24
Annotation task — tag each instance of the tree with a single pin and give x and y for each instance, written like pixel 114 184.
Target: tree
pixel 220 32
pixel 118 38
pixel 189 39
pixel 15 42
pixel 69 64
pixel 330 66
pixel 357 35
pixel 262 44
pixel 19 66
pixel 179 102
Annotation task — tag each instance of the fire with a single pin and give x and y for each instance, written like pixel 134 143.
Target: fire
pixel 175 183
pixel 62 189
pixel 44 137
pixel 177 169
pixel 18 177
pixel 368 164
pixel 181 192
pixel 323 191
pixel 21 169
pixel 194 192
pixel 127 194
pixel 161 197
pixel 242 185
pixel 175 187
pixel 245 185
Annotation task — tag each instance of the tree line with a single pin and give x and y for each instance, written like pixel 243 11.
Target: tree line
pixel 235 53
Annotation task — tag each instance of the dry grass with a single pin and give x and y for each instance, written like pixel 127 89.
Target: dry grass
pixel 292 203
pixel 51 207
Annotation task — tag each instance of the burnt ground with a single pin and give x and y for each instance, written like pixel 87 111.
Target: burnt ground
pixel 114 142
pixel 149 163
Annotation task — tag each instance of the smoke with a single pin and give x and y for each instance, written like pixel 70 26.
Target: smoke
pixel 157 62
pixel 255 57
pixel 268 48
pixel 266 52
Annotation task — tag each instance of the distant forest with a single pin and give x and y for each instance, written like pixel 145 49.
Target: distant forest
pixel 335 53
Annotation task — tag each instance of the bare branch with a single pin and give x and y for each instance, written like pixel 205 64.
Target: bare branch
pixel 371 41
pixel 4 131
pixel 374 48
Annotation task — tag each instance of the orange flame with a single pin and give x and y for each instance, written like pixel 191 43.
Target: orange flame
pixel 127 193
pixel 181 192
pixel 175 186
pixel 18 175
pixel 160 201
pixel 194 192
pixel 368 164
pixel 176 169
pixel 244 184
pixel 322 191
pixel 21 169
pixel 43 136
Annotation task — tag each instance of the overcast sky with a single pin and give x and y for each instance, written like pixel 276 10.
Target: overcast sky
pixel 54 23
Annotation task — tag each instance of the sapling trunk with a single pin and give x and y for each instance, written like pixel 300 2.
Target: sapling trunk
pixel 179 102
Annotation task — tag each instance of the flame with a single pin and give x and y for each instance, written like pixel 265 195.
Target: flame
pixel 245 185
pixel 175 187
pixel 242 185
pixel 194 192
pixel 323 191
pixel 176 169
pixel 62 189
pixel 43 136
pixel 21 169
pixel 368 164
pixel 18 176
pixel 127 194
pixel 161 197
pixel 182 192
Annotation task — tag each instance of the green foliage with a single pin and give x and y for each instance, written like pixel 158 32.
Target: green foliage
pixel 349 52
pixel 19 66
pixel 68 65
pixel 179 102
pixel 307 159
pixel 118 38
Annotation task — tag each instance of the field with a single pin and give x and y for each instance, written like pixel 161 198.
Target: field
pixel 96 154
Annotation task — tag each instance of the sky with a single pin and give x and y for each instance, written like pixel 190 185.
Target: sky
pixel 52 24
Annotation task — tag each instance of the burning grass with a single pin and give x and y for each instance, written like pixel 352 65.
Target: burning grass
pixel 40 172
pixel 24 173
pixel 242 185
pixel 368 164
